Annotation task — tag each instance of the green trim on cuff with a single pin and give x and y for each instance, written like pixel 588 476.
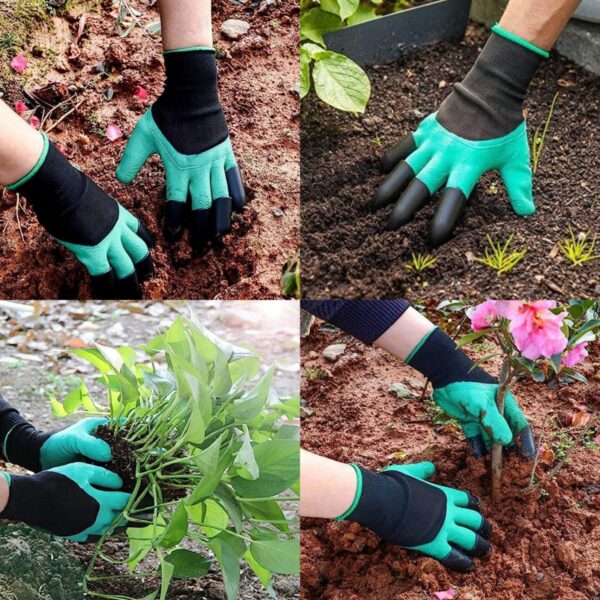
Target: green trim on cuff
pixel 357 495
pixel 7 476
pixel 4 452
pixel 519 40
pixel 35 169
pixel 190 49
pixel 418 346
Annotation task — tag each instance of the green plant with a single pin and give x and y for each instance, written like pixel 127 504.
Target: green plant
pixel 577 249
pixel 314 373
pixel 539 140
pixel 213 456
pixel 497 256
pixel 290 278
pixel 420 262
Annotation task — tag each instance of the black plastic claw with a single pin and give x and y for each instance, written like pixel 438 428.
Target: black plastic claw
pixel 175 217
pixel 103 286
pixel 397 153
pixel 485 530
pixel 128 288
pixel 145 235
pixel 394 185
pixel 145 268
pixel 451 207
pixel 457 561
pixel 477 446
pixel 236 188
pixel 481 547
pixel 200 228
pixel 221 216
pixel 414 199
pixel 474 503
pixel 525 443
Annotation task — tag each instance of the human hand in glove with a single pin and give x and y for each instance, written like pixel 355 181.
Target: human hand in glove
pixel 404 509
pixel 186 127
pixel 75 501
pixel 479 127
pixel 112 244
pixel 468 393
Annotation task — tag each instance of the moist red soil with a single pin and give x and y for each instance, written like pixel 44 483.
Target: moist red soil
pixel 258 74
pixel 544 547
pixel 347 250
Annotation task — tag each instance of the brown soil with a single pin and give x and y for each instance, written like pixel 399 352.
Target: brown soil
pixel 544 547
pixel 349 253
pixel 257 77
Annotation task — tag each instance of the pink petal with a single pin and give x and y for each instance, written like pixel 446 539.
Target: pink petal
pixel 20 107
pixel 484 315
pixel 142 94
pixel 445 595
pixel 34 121
pixel 113 132
pixel 18 63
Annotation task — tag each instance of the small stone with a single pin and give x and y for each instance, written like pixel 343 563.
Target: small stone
pixel 442 84
pixel 400 390
pixel 235 28
pixel 334 351
pixel 278 212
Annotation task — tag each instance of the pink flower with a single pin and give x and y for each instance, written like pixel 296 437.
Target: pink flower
pixel 34 121
pixel 536 330
pixel 20 107
pixel 18 63
pixel 484 315
pixel 142 94
pixel 445 595
pixel 113 132
pixel 575 355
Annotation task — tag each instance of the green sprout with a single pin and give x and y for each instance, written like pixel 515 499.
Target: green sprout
pixel 290 278
pixel 497 256
pixel 539 140
pixel 420 262
pixel 578 249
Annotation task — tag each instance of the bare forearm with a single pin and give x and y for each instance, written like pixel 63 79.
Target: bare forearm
pixel 538 21
pixel 20 146
pixel 327 487
pixel 4 492
pixel 185 23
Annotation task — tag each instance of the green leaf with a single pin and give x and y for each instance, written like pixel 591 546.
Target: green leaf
pixel 263 574
pixel 589 326
pixel 208 459
pixel 278 556
pixel 244 369
pixel 342 8
pixel 208 484
pixel 228 551
pixel 209 515
pixel 305 61
pixel 469 338
pixel 94 357
pixel 365 13
pixel 188 564
pixel 340 82
pixel 231 506
pixel 166 572
pixel 245 462
pixel 58 409
pixel 252 402
pixel 268 512
pixel 176 528
pixel 140 541
pixel 315 22
pixel 221 382
pixel 278 461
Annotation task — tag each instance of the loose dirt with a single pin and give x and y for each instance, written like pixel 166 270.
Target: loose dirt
pixel 348 251
pixel 258 75
pixel 544 547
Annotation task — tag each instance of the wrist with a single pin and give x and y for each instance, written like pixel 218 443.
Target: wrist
pixel 22 446
pixel 4 490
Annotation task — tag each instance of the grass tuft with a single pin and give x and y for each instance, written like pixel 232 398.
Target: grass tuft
pixel 498 257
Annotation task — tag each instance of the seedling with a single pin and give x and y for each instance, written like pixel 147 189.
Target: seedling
pixel 578 249
pixel 498 257
pixel 420 262
pixel 290 278
pixel 206 453
pixel 539 139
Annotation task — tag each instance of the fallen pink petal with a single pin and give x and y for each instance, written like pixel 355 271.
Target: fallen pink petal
pixel 19 63
pixel 20 108
pixel 113 132
pixel 446 594
pixel 34 121
pixel 142 94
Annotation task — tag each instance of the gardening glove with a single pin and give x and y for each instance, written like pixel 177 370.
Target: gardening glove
pixel 74 501
pixel 24 445
pixel 105 237
pixel 467 393
pixel 479 127
pixel 404 509
pixel 186 127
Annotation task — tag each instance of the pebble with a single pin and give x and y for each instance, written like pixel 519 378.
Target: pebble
pixel 334 351
pixel 235 28
pixel 400 390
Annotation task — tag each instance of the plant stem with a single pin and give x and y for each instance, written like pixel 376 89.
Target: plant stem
pixel 505 378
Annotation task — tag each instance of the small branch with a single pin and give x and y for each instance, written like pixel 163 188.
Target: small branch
pixel 505 378
pixel 539 446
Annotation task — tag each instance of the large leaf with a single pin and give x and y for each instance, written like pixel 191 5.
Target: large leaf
pixel 176 528
pixel 245 462
pixel 188 564
pixel 315 22
pixel 278 556
pixel 209 515
pixel 305 61
pixel 228 550
pixel 252 402
pixel 342 8
pixel 340 82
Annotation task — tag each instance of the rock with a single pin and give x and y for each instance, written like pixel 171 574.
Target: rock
pixel 334 351
pixel 235 28
pixel 400 390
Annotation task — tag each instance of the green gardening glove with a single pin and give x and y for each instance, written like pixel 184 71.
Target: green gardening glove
pixel 467 393
pixel 186 127
pixel 478 128
pixel 404 509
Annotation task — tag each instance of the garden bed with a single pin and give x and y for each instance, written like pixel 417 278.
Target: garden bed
pixel 258 73
pixel 348 251
pixel 542 548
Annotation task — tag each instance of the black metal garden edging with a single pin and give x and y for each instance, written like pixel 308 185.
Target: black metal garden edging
pixel 387 38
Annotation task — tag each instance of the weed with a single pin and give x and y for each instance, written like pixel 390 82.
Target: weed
pixel 577 249
pixel 498 258
pixel 437 414
pixel 290 278
pixel 420 262
pixel 315 374
pixel 539 141
pixel 377 141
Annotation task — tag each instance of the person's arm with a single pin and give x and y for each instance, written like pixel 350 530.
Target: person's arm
pixel 187 128
pixel 4 491
pixel 399 505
